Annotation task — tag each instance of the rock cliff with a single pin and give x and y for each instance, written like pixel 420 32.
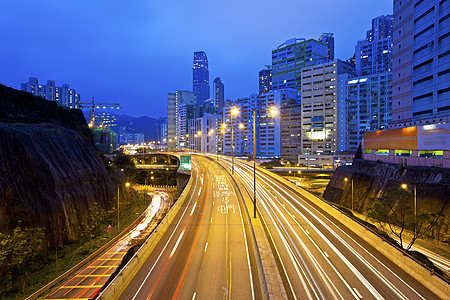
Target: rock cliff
pixel 372 180
pixel 50 172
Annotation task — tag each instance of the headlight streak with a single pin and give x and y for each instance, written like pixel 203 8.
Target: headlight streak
pixel 350 248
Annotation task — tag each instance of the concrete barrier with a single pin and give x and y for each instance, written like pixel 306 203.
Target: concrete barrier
pixel 409 265
pixel 118 285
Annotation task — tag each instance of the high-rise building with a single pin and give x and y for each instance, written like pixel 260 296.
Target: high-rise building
pixel 269 127
pixel 293 55
pixel 182 98
pixel 201 76
pixel 382 27
pixel 328 39
pixel 421 60
pixel 320 99
pixel 368 107
pixel 219 94
pixel 162 137
pixel 265 80
pixel 171 121
pixel 205 134
pixel 65 96
pixel 374 54
pixel 291 129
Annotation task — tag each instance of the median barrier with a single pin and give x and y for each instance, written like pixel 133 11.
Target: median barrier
pixel 405 262
pixel 118 285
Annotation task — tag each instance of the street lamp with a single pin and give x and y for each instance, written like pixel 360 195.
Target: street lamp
pixel 346 179
pixel 234 112
pixel 404 186
pixel 118 197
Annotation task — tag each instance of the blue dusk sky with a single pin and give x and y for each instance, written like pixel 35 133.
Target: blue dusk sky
pixel 135 52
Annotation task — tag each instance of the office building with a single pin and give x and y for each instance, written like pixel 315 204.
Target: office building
pixel 201 76
pixel 219 94
pixel 320 98
pixel 265 80
pixel 290 57
pixel 328 39
pixel 162 136
pixel 421 60
pixel 65 96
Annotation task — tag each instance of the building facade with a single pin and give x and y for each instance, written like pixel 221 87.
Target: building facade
pixel 64 96
pixel 200 73
pixel 328 39
pixel 421 60
pixel 219 94
pixel 265 80
pixel 291 129
pixel 382 27
pixel 368 107
pixel 320 118
pixel 293 55
pixel 171 120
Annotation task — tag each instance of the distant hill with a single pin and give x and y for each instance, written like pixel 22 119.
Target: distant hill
pixel 146 125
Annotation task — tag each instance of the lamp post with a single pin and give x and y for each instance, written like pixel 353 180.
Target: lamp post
pixel 346 179
pixel 118 197
pixel 234 112
pixel 404 186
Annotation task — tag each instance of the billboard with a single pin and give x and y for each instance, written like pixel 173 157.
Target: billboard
pixel 185 162
pixel 426 137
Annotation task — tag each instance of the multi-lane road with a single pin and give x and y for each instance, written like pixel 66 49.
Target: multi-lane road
pixel 318 257
pixel 205 253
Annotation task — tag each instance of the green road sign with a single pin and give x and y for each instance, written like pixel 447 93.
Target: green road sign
pixel 185 162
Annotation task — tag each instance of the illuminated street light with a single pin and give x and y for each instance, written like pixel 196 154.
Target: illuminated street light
pixel 273 111
pixel 234 112
pixel 241 126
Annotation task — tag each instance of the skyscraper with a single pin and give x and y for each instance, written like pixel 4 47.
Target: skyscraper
pixel 218 94
pixel 65 96
pixel 374 54
pixel 293 55
pixel 265 80
pixel 382 27
pixel 328 39
pixel 421 64
pixel 201 76
pixel 320 106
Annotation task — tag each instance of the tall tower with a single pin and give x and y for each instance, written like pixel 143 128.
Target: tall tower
pixel 201 76
pixel 328 39
pixel 218 94
pixel 265 80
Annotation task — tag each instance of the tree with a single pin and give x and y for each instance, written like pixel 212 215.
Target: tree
pixel 17 249
pixel 394 213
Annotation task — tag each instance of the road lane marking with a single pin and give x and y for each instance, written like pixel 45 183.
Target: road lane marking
pixel 193 296
pixel 192 211
pixel 326 254
pixel 206 246
pixel 211 220
pixel 357 293
pixel 199 191
pixel 176 244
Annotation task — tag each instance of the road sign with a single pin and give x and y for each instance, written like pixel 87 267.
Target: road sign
pixel 185 162
pixel 109 228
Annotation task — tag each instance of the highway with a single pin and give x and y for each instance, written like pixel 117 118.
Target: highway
pixel 88 283
pixel 205 252
pixel 319 258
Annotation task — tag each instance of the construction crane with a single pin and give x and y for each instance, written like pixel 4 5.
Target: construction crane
pixel 98 118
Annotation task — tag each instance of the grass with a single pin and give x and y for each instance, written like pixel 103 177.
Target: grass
pixel 45 269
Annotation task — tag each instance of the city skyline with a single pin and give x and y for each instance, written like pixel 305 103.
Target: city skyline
pixel 129 53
